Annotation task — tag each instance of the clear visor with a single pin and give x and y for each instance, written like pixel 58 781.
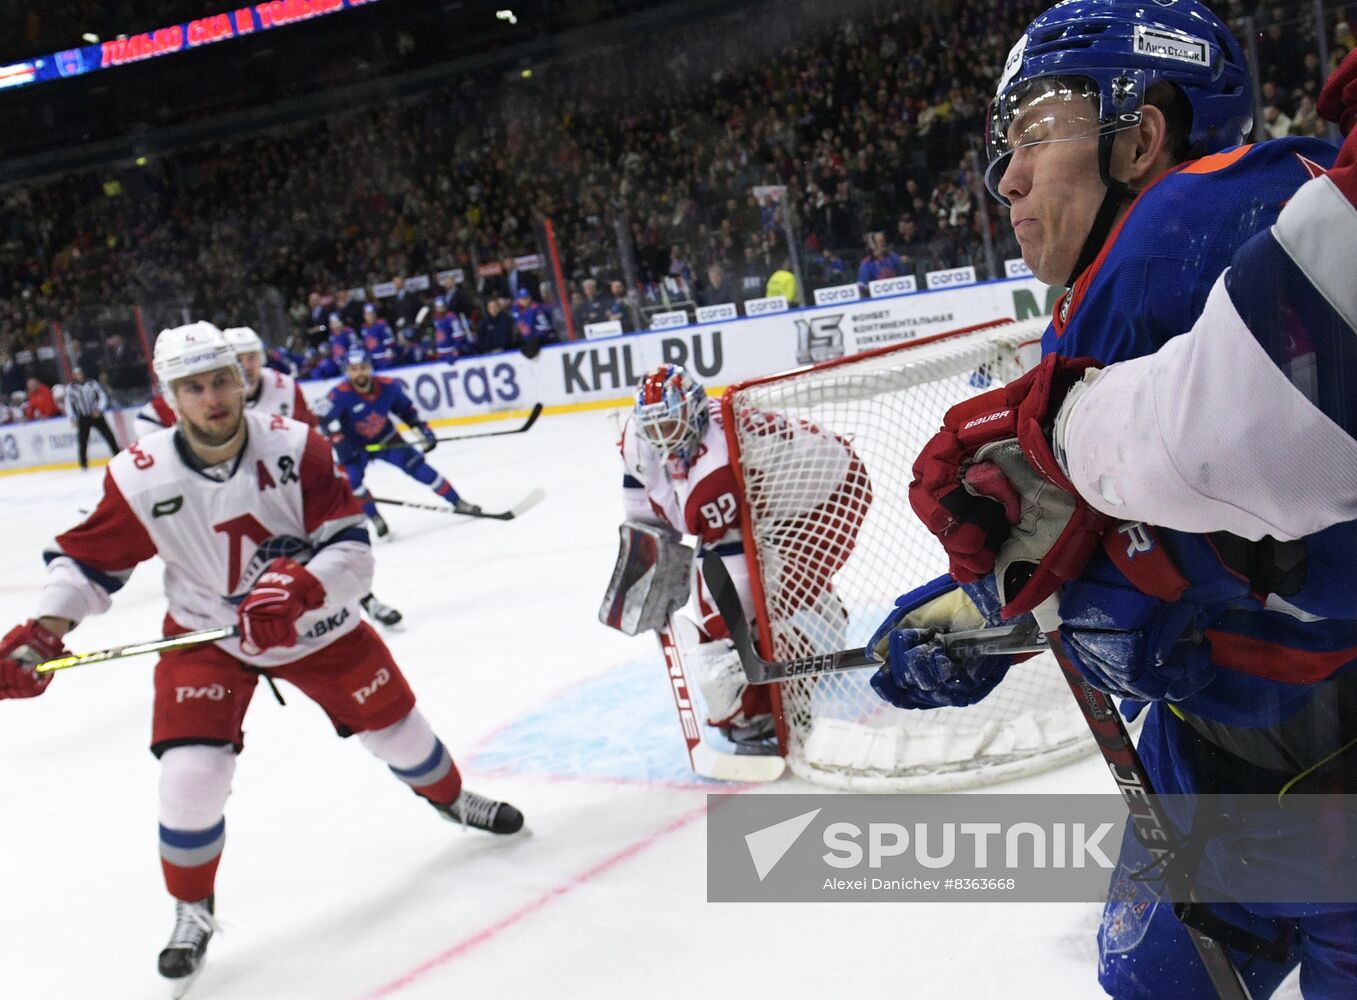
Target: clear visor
pixel 667 429
pixel 1050 110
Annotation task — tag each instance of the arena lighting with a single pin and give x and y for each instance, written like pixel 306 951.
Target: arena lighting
pixel 506 15
pixel 126 49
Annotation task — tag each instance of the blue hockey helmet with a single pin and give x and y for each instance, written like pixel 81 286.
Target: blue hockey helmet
pixel 1112 51
pixel 358 356
pixel 671 411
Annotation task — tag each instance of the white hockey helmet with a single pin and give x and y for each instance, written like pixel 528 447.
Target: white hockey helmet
pixel 191 350
pixel 243 339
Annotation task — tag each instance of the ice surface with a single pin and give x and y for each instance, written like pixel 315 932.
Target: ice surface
pixel 337 884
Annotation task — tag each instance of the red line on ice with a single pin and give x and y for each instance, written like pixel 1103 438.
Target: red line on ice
pixel 523 912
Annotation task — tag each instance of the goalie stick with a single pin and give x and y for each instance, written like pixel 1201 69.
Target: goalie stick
pixel 533 414
pixel 137 648
pixel 527 503
pixel 705 759
pixel 1020 637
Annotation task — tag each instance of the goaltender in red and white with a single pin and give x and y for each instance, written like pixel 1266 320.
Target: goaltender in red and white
pixel 257 529
pixel 679 474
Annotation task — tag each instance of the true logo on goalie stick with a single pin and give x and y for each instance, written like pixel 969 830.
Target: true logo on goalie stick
pixel 681 697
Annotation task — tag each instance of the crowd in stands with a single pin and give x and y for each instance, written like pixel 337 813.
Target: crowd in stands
pixel 672 173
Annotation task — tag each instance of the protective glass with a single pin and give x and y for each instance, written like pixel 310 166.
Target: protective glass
pixel 1056 109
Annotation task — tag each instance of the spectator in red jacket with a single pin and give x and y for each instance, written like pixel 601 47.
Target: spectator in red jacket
pixel 40 404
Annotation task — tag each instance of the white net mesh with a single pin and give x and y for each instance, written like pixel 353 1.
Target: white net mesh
pixel 815 517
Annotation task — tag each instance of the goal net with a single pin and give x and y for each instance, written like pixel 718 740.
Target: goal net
pixel 832 542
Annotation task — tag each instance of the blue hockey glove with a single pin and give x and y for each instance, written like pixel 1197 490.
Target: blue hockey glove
pixel 430 442
pixel 1128 643
pixel 918 673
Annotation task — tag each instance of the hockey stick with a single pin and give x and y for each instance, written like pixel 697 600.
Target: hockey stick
pixel 705 760
pixel 1098 709
pixel 527 503
pixel 1021 637
pixel 184 641
pixel 1152 827
pixel 533 414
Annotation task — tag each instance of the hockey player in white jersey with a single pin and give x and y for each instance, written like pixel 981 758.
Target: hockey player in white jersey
pixel 678 473
pixel 267 391
pixel 257 529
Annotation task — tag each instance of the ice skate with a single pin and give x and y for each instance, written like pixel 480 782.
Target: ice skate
pixel 472 810
pixel 758 736
pixel 182 958
pixel 380 612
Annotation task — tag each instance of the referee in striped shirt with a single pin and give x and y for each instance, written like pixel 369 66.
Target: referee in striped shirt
pixel 86 401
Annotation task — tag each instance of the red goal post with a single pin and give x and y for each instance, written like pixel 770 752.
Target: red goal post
pixel 826 565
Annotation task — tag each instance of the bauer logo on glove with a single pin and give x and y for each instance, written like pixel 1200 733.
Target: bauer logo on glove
pixel 987 485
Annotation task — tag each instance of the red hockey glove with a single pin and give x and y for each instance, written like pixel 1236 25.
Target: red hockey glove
pixel 1338 100
pixel 26 646
pixel 1014 498
pixel 284 592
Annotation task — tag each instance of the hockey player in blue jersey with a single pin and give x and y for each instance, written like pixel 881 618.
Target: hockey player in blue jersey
pixel 377 339
pixel 1270 358
pixel 337 345
pixel 1114 139
pixel 532 323
pixel 451 333
pixel 358 414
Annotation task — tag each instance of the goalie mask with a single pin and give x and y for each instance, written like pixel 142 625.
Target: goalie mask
pixel 671 412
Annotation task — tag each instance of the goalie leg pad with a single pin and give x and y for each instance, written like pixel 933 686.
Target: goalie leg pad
pixel 650 579
pixel 716 669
